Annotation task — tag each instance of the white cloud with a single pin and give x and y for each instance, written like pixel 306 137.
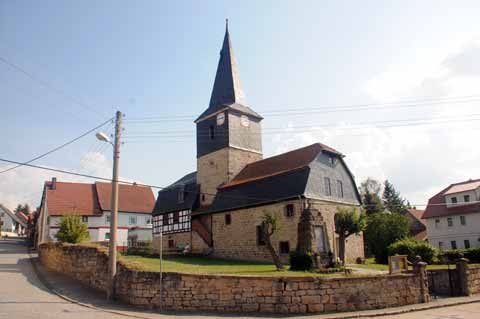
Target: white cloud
pixel 25 184
pixel 421 160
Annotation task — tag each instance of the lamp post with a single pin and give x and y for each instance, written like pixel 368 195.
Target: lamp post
pixel 112 246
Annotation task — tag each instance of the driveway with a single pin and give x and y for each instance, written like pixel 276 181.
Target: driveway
pixel 22 295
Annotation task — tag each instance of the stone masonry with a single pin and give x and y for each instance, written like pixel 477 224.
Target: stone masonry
pixel 188 292
pixel 239 240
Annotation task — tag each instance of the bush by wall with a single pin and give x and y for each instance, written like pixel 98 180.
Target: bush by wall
pixel 301 261
pixel 472 254
pixel 413 248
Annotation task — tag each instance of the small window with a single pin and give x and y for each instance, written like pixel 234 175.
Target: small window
pixel 328 188
pixel 437 223
pixel 466 243
pixel 203 197
pixel 440 245
pixel 228 219
pixel 454 244
pixel 181 194
pixel 450 221
pixel 107 236
pixel 339 189
pixel 454 200
pixel 260 236
pixel 211 132
pixel 165 219
pixel 176 217
pixel 171 243
pixel 284 247
pixel 463 220
pixel 148 220
pixel 108 218
pixel 132 220
pixel 85 219
pixel 289 210
pixel 466 198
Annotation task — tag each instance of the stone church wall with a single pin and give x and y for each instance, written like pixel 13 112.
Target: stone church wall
pixel 239 239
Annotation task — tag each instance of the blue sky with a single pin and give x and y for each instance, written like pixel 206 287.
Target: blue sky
pixel 158 58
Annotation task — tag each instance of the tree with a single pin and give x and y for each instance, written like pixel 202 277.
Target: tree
pixel 370 185
pixel 25 209
pixel 383 230
pixel 72 230
pixel 347 222
pixel 392 200
pixel 371 201
pixel 269 227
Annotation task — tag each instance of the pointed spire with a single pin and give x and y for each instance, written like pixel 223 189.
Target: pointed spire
pixel 227 88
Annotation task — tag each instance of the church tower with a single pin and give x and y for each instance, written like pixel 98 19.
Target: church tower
pixel 228 131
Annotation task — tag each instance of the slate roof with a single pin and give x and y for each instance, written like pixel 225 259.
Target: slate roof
pixel 274 179
pixel 227 89
pixel 167 199
pixel 91 199
pixel 437 207
pixel 280 164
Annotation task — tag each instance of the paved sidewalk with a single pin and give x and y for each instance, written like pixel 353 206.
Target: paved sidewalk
pixel 75 292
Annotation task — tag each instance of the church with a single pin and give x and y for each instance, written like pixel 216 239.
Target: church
pixel 218 209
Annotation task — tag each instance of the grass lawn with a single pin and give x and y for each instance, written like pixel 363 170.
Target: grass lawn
pixel 203 265
pixel 370 264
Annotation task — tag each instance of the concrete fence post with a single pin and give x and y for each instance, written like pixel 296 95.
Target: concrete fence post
pixel 463 273
pixel 420 269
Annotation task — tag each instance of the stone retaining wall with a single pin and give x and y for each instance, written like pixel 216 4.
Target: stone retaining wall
pixel 233 293
pixel 474 280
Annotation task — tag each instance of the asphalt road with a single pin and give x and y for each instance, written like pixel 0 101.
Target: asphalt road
pixel 22 295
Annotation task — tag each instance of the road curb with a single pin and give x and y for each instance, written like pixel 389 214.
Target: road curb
pixel 346 315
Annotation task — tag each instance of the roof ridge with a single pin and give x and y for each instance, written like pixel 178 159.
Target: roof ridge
pixel 465 182
pixel 288 152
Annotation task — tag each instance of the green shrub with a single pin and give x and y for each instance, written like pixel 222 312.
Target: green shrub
pixel 472 254
pixel 72 230
pixel 413 248
pixel 384 229
pixel 302 261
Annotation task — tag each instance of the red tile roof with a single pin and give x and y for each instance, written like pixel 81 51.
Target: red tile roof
pixel 417 213
pixel 131 198
pixel 437 208
pixel 280 164
pixel 68 198
pixel 421 236
pixel 92 199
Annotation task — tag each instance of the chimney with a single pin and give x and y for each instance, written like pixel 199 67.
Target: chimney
pixel 54 183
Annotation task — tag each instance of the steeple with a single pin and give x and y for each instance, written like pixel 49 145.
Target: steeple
pixel 227 88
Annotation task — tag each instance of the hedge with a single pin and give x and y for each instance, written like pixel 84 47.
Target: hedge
pixel 413 248
pixel 472 254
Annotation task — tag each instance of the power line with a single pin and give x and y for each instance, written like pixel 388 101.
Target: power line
pixel 313 129
pixel 327 109
pixel 57 148
pixel 163 187
pixel 49 86
pixel 317 125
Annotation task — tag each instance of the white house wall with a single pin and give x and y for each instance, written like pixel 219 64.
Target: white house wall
pixel 457 232
pixel 98 226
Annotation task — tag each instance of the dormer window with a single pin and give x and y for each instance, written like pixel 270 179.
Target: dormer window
pixel 181 194
pixel 454 200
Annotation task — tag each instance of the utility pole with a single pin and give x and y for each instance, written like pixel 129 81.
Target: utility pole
pixel 112 249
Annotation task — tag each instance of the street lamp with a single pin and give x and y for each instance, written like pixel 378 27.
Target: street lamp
pixel 112 245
